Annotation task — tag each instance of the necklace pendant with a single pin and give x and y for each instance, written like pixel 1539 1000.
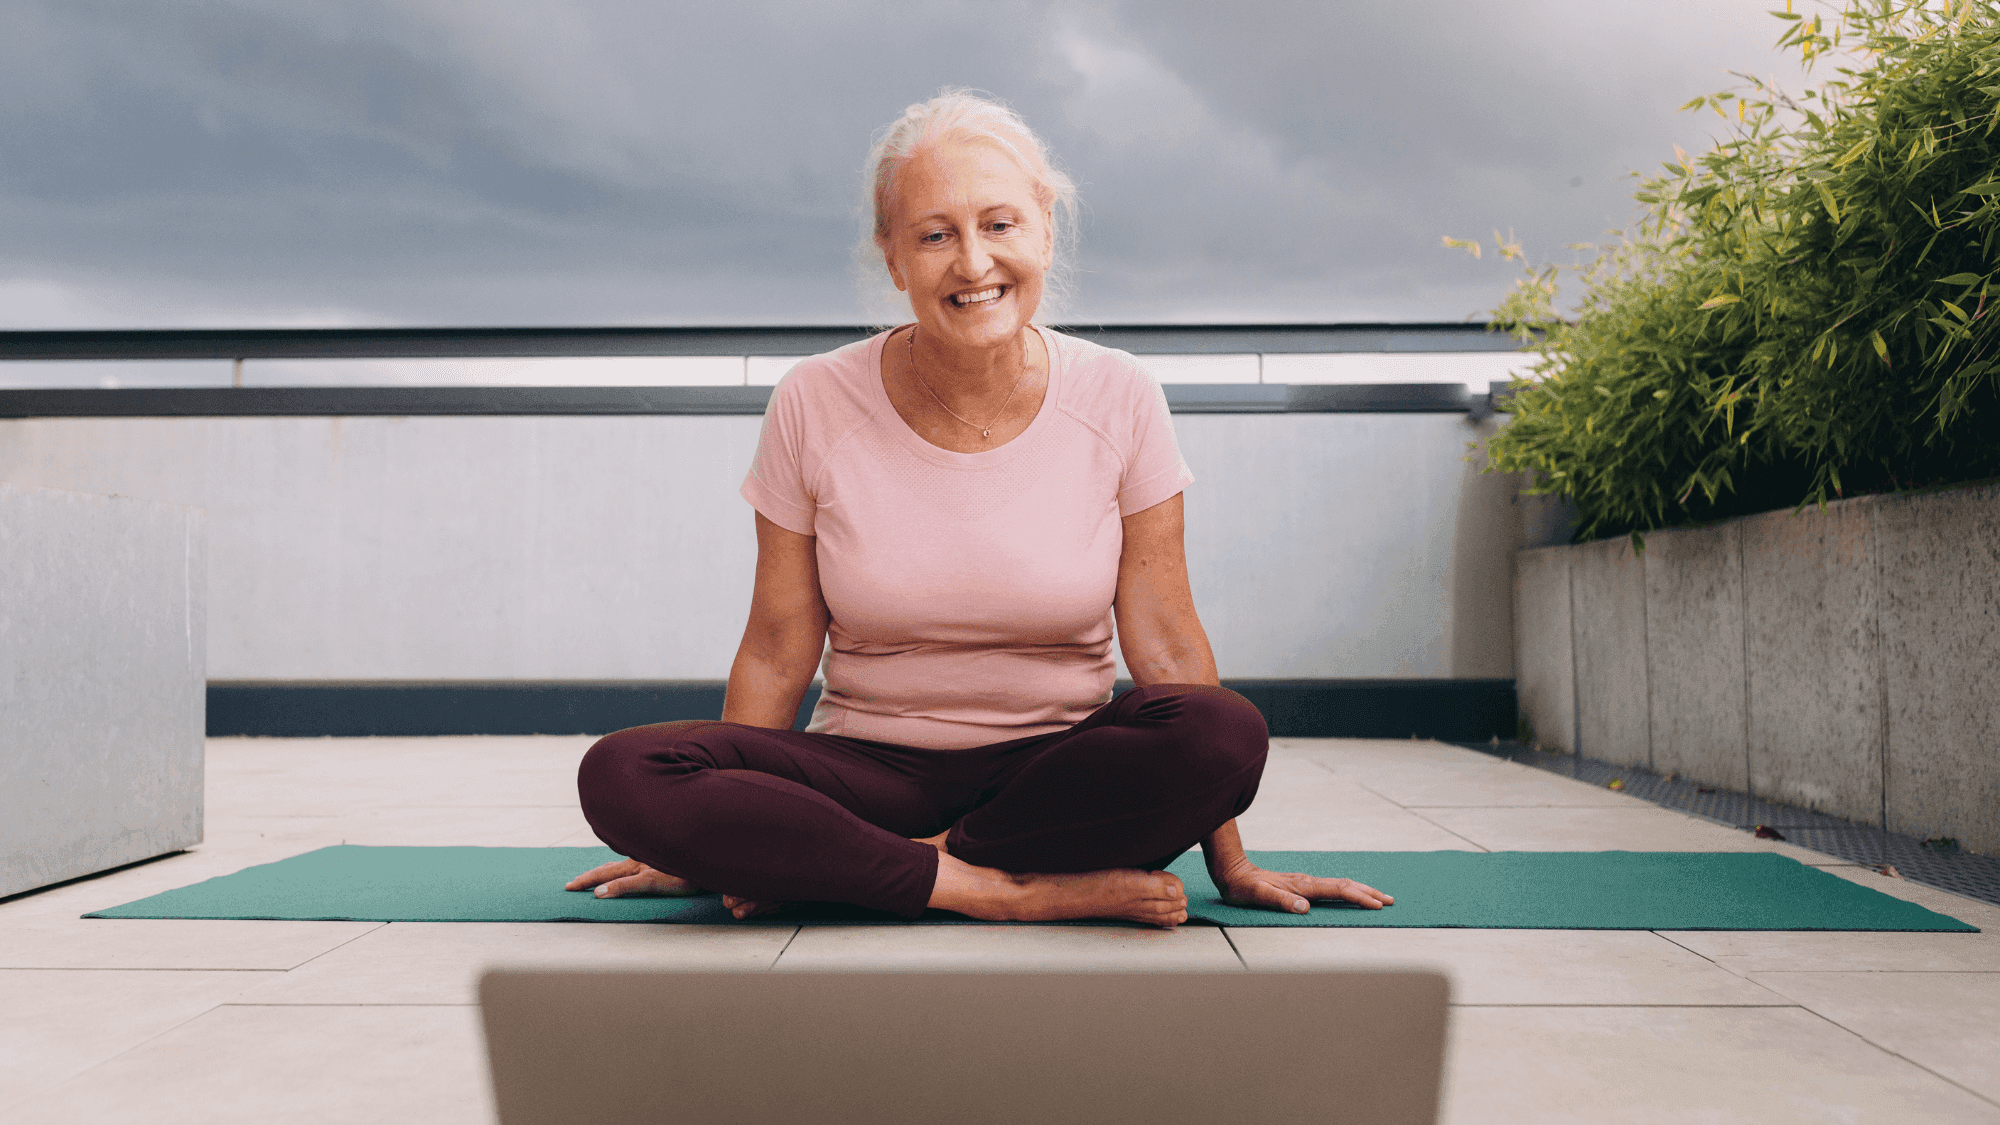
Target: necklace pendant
pixel 985 433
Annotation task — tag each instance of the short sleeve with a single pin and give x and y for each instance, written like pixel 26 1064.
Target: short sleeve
pixel 1154 469
pixel 776 485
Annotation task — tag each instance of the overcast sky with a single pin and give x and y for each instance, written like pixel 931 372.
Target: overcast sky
pixel 421 162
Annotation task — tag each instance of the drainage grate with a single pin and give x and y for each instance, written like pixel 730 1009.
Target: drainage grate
pixel 1974 876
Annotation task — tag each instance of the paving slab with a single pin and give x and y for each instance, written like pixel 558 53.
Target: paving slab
pixel 1948 1023
pixel 168 943
pixel 303 1065
pixel 61 1022
pixel 1491 783
pixel 1774 951
pixel 1303 807
pixel 1644 829
pixel 1516 966
pixel 1009 947
pixel 440 962
pixel 407 826
pixel 338 776
pixel 1641 1066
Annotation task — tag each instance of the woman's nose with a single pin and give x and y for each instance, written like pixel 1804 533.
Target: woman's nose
pixel 973 259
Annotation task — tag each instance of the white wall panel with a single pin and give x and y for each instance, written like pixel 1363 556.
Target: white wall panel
pixel 1201 368
pixel 23 373
pixel 616 547
pixel 540 371
pixel 1476 369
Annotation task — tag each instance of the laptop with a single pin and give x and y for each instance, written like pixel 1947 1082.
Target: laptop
pixel 965 1048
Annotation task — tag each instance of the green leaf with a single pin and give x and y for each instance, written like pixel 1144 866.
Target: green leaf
pixel 1881 346
pixel 1788 15
pixel 1990 187
pixel 1717 302
pixel 1854 153
pixel 1959 279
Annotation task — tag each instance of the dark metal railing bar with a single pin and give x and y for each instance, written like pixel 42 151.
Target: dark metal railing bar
pixel 776 340
pixel 198 402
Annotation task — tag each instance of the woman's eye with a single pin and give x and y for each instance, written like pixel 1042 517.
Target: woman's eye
pixel 1002 227
pixel 932 239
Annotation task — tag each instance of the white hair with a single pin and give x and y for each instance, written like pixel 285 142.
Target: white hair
pixel 958 114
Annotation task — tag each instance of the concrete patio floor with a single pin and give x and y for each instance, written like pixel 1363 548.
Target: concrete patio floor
pixel 217 1022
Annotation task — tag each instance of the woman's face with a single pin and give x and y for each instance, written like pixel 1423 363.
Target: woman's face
pixel 969 242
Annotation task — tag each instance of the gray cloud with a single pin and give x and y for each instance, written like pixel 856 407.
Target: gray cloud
pixel 426 162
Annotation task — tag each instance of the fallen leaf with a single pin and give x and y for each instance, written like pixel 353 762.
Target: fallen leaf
pixel 1766 832
pixel 1616 783
pixel 1889 869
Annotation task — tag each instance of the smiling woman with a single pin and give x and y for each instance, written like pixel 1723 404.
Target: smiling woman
pixel 961 116
pixel 957 511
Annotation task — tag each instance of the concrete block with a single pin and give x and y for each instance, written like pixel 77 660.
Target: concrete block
pixel 1608 584
pixel 1813 667
pixel 1543 674
pixel 102 662
pixel 1484 536
pixel 1694 623
pixel 1940 558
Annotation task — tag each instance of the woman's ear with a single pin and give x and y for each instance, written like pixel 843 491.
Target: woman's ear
pixel 889 263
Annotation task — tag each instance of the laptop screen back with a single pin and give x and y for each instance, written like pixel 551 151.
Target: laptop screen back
pixel 964 1048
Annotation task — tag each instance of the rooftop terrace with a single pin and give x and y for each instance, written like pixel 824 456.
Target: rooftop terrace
pixel 257 1021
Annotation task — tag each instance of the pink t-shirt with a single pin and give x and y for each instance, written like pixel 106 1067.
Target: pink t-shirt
pixel 970 593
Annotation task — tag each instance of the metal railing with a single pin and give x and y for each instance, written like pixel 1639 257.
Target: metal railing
pixel 240 344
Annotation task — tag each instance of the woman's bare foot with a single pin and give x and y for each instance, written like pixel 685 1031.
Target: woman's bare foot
pixel 747 908
pixel 1152 898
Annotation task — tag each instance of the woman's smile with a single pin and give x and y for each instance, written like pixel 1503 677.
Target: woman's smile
pixel 980 297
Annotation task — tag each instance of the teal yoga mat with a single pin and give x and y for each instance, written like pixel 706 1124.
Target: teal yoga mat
pixel 1480 890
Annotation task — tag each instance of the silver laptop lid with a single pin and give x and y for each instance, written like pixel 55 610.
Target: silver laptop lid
pixel 960 1048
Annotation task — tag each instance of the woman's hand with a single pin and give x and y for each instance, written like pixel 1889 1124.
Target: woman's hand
pixel 623 877
pixel 1294 893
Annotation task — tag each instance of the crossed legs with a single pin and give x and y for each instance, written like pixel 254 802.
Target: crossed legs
pixel 1064 825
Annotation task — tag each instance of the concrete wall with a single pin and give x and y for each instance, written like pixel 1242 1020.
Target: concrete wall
pixel 1841 659
pixel 102 645
pixel 616 547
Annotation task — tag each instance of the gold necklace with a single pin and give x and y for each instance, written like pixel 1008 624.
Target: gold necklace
pixel 987 429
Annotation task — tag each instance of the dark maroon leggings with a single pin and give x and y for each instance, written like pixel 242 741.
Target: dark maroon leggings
pixel 787 816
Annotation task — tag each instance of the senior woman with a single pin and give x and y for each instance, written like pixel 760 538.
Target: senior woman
pixel 963 506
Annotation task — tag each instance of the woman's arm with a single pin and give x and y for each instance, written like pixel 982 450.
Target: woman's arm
pixel 1161 635
pixel 1164 643
pixel 785 635
pixel 1158 631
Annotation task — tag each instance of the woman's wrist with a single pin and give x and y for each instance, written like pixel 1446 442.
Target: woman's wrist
pixel 1223 854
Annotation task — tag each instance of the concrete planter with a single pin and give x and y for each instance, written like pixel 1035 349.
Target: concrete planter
pixel 1845 660
pixel 102 655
